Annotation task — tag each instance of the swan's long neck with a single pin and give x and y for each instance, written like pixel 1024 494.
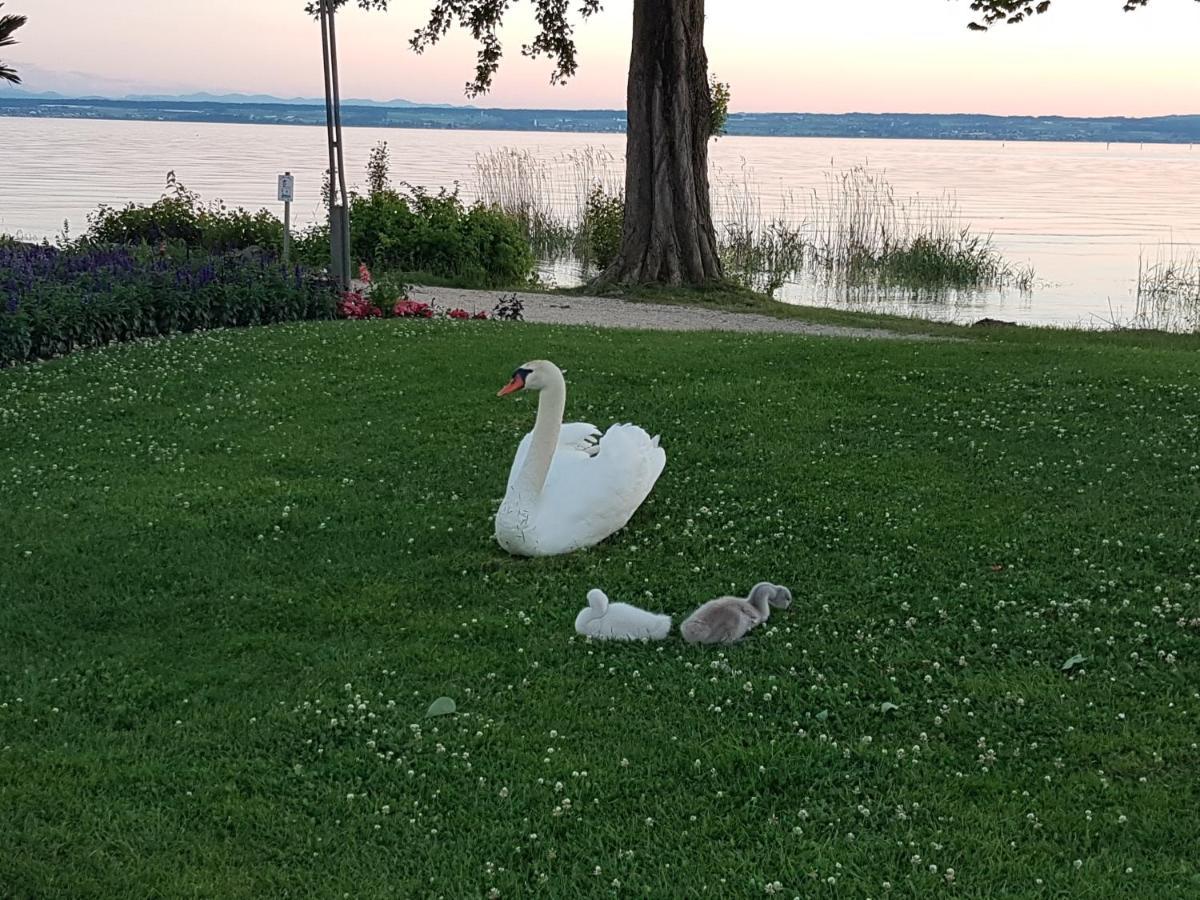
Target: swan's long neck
pixel 551 403
pixel 758 601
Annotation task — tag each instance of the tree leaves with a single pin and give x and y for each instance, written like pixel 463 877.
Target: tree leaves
pixel 1014 11
pixel 9 24
pixel 482 18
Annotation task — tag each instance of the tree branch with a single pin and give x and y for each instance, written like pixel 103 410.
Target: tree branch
pixel 482 18
pixel 1014 11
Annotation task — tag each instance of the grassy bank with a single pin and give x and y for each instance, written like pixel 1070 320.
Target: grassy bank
pixel 732 297
pixel 238 566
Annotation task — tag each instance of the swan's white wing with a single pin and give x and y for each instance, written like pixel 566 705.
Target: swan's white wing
pixel 574 436
pixel 589 495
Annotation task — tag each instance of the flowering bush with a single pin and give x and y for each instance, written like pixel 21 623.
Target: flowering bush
pixel 412 309
pixel 388 297
pixel 353 305
pixel 54 300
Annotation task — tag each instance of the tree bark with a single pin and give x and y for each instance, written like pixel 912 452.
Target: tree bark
pixel 668 235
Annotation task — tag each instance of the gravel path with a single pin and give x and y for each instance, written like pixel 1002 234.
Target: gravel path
pixel 612 313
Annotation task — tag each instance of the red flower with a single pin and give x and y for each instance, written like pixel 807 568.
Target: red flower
pixel 480 315
pixel 459 314
pixel 412 309
pixel 364 274
pixel 354 305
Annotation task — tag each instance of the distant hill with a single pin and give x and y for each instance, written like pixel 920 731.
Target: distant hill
pixel 403 114
pixel 205 97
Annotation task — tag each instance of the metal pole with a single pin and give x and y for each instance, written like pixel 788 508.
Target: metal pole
pixel 335 218
pixel 287 231
pixel 341 162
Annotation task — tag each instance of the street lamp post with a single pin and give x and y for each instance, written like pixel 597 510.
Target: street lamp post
pixel 339 204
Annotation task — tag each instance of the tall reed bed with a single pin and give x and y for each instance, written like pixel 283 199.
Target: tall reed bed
pixel 862 229
pixel 547 196
pixel 853 229
pixel 1168 291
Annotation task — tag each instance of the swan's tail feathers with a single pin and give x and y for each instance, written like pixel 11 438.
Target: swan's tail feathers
pixel 659 628
pixel 654 440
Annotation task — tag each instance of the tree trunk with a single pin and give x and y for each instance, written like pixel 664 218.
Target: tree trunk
pixel 668 235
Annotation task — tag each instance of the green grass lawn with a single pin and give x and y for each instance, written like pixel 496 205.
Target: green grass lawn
pixel 236 568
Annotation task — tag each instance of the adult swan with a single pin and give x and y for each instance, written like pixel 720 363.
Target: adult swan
pixel 569 487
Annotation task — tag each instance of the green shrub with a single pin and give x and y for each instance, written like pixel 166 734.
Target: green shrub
pixel 58 300
pixel 180 217
pixel 384 290
pixel 378 165
pixel 718 109
pixel 311 246
pixel 415 231
pixel 170 219
pixel 600 232
pixel 437 234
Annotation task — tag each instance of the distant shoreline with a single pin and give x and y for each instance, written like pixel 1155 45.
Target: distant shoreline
pixel 1181 129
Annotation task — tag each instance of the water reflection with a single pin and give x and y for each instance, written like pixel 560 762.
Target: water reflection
pixel 1080 214
pixel 958 305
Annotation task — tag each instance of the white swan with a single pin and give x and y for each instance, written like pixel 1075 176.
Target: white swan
pixel 570 487
pixel 619 621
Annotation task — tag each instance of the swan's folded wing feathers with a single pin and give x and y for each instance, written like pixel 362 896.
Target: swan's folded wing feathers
pixel 580 436
pixel 591 496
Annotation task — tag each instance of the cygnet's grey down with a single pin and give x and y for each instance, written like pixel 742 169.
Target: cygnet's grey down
pixel 726 620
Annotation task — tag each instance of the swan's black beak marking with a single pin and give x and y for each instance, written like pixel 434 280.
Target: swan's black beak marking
pixel 517 383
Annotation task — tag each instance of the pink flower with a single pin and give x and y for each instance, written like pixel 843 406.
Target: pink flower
pixel 353 305
pixel 364 274
pixel 412 309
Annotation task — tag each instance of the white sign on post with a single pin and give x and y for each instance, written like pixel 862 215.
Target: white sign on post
pixel 287 188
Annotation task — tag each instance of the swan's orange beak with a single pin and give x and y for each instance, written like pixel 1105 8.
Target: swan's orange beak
pixel 516 384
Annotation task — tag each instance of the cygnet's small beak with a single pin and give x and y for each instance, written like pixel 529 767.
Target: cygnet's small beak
pixel 516 384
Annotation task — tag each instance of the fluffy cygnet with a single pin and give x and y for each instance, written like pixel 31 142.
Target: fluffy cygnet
pixel 728 619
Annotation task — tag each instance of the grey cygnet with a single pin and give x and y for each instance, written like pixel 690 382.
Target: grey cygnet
pixel 726 620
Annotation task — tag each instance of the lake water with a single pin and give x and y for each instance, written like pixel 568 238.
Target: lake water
pixel 1081 214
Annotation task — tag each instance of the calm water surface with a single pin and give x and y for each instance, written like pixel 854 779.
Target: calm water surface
pixel 1081 214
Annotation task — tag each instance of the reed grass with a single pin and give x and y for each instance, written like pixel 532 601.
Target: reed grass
pixel 1168 291
pixel 854 229
pixel 547 196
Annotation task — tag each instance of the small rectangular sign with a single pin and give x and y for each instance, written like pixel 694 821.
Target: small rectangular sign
pixel 287 188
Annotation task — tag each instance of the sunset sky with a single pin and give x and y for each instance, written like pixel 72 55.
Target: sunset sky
pixel 1085 57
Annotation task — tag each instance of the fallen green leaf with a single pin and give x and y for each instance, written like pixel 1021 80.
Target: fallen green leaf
pixel 1073 662
pixel 442 706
